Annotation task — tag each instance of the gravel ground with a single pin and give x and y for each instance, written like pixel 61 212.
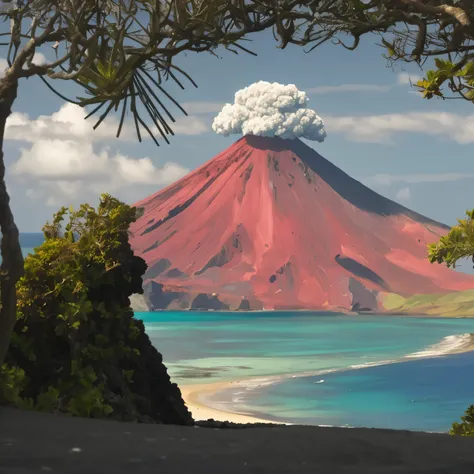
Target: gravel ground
pixel 38 443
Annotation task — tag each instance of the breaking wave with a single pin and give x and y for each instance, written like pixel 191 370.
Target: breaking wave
pixel 454 344
pixel 239 396
pixel 448 345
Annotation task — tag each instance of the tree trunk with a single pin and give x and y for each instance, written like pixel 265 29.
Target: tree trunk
pixel 12 268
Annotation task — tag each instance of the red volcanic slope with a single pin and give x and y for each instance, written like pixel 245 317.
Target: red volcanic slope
pixel 270 224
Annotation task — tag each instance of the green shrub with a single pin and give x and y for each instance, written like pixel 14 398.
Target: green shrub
pixel 466 427
pixel 76 347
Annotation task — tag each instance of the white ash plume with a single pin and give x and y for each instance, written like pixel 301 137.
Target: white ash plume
pixel 270 110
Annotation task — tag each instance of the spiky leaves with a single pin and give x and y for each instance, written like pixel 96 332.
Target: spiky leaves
pixel 458 244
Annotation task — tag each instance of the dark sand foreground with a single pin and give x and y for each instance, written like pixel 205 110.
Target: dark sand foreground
pixel 38 443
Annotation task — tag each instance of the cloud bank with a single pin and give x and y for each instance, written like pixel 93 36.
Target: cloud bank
pixel 62 160
pixel 270 110
pixel 382 128
pixel 403 195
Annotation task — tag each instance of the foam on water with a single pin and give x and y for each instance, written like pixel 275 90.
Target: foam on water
pixel 448 345
pixel 268 361
pixel 453 344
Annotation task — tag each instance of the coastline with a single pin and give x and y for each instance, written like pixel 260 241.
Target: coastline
pixel 383 313
pixel 196 396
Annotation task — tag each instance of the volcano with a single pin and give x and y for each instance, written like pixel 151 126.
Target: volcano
pixel 270 224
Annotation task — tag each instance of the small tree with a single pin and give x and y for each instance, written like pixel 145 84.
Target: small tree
pixel 457 245
pixel 76 347
pixel 466 427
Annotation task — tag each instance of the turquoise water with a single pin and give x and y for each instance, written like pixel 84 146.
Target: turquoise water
pixel 30 241
pixel 427 395
pixel 26 251
pixel 331 357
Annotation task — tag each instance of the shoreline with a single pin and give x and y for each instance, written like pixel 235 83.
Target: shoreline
pixel 196 396
pixel 382 314
pixel 193 395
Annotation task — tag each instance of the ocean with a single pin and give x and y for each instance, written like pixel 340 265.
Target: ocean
pixel 309 368
pixel 314 368
pixel 29 241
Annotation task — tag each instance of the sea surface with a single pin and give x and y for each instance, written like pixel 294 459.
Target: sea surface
pixel 29 241
pixel 311 368
pixel 315 368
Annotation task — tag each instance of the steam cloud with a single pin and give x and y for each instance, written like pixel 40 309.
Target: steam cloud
pixel 270 110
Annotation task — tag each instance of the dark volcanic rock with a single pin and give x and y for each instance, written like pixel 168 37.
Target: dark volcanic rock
pixel 161 400
pixel 175 273
pixel 161 266
pixel 203 301
pixel 156 298
pixel 362 298
pixel 244 305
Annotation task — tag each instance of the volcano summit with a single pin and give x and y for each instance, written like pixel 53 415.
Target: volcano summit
pixel 271 224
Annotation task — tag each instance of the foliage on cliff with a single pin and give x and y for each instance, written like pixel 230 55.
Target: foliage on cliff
pixel 76 347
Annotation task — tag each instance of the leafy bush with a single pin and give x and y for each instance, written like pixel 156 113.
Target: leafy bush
pixel 466 428
pixel 77 348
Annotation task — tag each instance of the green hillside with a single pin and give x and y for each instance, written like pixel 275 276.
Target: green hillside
pixel 458 304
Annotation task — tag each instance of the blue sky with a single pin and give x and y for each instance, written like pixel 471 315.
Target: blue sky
pixel 417 152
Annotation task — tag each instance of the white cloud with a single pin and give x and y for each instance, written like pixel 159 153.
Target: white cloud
pixel 39 59
pixel 60 163
pixel 407 78
pixel 68 123
pixel 270 110
pixel 189 126
pixel 381 128
pixel 72 170
pixel 349 88
pixel 3 66
pixel 403 78
pixel 390 179
pixel 197 108
pixel 403 194
pixel 67 160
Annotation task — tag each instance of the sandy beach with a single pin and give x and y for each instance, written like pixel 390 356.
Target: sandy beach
pixel 195 399
pixel 196 396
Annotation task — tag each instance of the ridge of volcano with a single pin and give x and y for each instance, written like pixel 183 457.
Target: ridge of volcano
pixel 270 224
